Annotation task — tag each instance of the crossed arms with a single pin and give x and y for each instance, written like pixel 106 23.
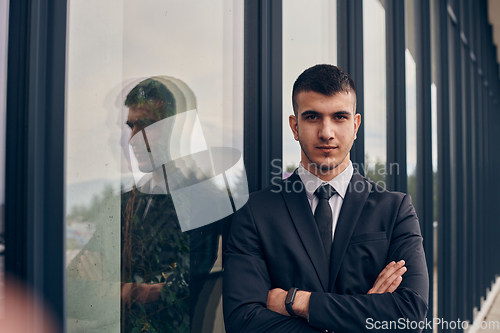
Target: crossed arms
pixel 387 282
pixel 254 291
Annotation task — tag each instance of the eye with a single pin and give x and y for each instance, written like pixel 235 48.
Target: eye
pixel 312 117
pixel 340 117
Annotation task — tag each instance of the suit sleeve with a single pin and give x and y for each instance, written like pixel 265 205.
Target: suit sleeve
pixel 247 283
pixel 405 309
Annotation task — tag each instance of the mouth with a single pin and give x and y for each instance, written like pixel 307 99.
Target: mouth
pixel 327 149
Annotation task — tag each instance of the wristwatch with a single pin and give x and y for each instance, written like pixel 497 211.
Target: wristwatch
pixel 290 297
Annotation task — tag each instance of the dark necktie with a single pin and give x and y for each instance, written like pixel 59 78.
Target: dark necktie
pixel 323 216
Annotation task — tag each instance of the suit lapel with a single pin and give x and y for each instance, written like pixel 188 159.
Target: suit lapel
pixel 298 205
pixel 354 201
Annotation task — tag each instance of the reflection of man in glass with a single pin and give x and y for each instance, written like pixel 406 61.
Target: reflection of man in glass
pixel 163 269
pixel 150 101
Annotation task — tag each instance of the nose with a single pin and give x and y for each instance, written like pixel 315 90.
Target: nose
pixel 327 130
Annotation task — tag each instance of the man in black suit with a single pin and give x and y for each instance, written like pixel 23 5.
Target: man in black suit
pixel 325 249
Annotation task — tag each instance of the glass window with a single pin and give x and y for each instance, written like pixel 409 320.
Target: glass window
pixel 154 161
pixel 309 38
pixel 411 101
pixel 434 110
pixel 4 20
pixel 374 66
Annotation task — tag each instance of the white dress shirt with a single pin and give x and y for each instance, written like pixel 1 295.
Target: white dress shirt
pixel 339 183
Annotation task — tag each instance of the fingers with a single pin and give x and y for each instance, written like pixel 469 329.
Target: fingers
pixel 394 285
pixel 390 278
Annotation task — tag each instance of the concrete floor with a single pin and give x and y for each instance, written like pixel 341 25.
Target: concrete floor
pixel 491 322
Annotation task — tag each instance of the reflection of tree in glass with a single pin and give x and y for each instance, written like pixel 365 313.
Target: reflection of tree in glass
pixel 375 171
pixel 162 268
pixel 82 219
pixel 412 187
pixel 291 168
pixel 91 212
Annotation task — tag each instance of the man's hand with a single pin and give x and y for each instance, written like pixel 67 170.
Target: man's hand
pixel 389 279
pixel 276 301
pixel 141 292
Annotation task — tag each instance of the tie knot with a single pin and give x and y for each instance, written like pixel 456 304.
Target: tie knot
pixel 325 191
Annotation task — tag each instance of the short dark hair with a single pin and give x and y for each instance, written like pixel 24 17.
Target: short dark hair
pixel 154 96
pixel 324 79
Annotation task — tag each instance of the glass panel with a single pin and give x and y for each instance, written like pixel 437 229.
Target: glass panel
pixel 309 38
pixel 411 101
pixel 154 147
pixel 374 66
pixel 434 91
pixel 4 20
pixel 411 125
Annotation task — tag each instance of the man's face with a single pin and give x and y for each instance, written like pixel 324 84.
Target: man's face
pixel 138 119
pixel 326 128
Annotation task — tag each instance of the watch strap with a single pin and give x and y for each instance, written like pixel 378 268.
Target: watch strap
pixel 290 297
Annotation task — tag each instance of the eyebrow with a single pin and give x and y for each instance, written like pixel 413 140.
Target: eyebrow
pixel 342 113
pixel 312 112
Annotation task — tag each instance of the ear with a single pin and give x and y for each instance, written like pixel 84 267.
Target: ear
pixel 294 126
pixel 357 122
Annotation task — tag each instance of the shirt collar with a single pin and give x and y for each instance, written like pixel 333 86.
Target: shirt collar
pixel 339 183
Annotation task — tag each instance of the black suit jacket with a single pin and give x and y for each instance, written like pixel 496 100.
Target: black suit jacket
pixel 274 243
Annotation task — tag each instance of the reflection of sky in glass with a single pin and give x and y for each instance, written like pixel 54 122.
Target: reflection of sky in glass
pixel 309 38
pixel 434 128
pixel 411 113
pixel 114 44
pixel 374 66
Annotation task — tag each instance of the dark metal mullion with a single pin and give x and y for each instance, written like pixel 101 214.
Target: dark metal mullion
pixel 396 94
pixel 263 90
pixel 444 180
pixel 491 154
pixel 458 171
pixel 474 179
pixel 453 277
pixel 465 196
pixel 16 228
pixel 479 148
pixel 481 263
pixel 271 86
pixel 488 194
pixel 36 150
pixel 484 43
pixel 467 160
pixel 251 138
pixel 425 177
pixel 487 220
pixel 466 309
pixel 496 162
pixel 350 58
